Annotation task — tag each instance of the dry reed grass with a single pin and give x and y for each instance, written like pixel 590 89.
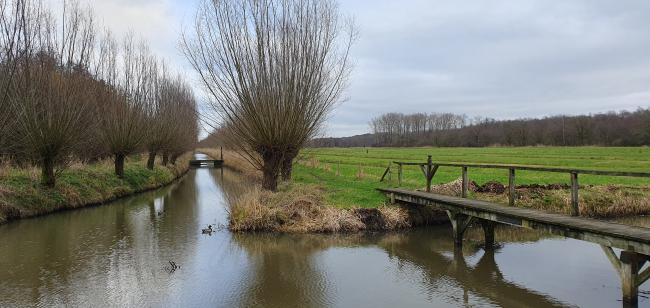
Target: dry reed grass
pixel 609 201
pixel 301 209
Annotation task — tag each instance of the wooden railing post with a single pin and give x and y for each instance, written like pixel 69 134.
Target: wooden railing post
pixel 428 173
pixel 511 187
pixel 399 174
pixel 465 183
pixel 575 210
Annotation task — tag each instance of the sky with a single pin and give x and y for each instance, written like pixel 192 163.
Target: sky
pixel 494 58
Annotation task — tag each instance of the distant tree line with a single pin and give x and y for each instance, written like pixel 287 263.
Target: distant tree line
pixel 69 93
pixel 625 128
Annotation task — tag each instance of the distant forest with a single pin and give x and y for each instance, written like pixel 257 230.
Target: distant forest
pixel 623 128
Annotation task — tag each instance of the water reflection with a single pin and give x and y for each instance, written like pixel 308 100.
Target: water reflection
pixel 115 256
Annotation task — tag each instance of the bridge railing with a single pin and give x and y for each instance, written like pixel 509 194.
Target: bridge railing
pixel 429 169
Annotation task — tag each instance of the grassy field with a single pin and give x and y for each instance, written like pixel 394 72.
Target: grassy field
pixel 22 195
pixel 351 174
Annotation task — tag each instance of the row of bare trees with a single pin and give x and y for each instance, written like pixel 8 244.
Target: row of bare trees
pixel 624 128
pixel 69 93
pixel 402 129
pixel 273 69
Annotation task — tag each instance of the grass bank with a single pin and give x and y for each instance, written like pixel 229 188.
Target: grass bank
pixel 352 174
pixel 302 207
pixel 22 195
pixel 334 190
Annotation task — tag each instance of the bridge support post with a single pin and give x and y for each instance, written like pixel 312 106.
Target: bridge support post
pixel 459 223
pixel 628 266
pixel 465 184
pixel 488 231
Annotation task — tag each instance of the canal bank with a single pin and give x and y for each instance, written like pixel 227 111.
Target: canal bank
pixel 120 253
pixel 81 185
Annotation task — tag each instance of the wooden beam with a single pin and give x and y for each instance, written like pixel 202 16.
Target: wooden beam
pixel 575 209
pixel 612 257
pixel 399 174
pixel 488 232
pixel 629 276
pixel 511 187
pixel 465 183
pixel 459 223
pixel 433 172
pixel 424 171
pixel 643 276
pixel 536 168
pixel 427 174
pixel 385 172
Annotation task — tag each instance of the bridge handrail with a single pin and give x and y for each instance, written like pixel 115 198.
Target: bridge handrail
pixel 532 168
pixel 430 168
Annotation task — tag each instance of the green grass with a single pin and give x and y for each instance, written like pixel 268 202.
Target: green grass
pixel 320 166
pixel 22 195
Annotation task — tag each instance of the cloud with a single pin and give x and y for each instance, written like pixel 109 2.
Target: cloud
pixel 496 58
pixel 502 59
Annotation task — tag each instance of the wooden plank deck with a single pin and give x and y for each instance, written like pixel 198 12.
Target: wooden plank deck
pixel 629 238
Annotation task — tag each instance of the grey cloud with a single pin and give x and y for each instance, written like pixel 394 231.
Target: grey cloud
pixel 501 59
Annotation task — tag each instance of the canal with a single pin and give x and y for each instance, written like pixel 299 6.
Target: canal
pixel 119 255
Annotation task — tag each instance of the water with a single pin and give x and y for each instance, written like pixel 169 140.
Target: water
pixel 118 255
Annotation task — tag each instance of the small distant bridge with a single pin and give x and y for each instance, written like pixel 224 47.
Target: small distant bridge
pixel 208 163
pixel 212 163
pixel 634 242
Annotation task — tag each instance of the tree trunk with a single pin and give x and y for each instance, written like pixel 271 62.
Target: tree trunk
pixel 287 166
pixel 119 165
pixel 165 159
pixel 272 163
pixel 47 172
pixel 152 160
pixel 173 159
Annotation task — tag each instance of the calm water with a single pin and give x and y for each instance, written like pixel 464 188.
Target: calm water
pixel 116 255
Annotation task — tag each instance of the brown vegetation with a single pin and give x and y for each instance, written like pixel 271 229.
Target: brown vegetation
pixel 273 70
pixel 595 201
pixel 301 209
pixel 67 93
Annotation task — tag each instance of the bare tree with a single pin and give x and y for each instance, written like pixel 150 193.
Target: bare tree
pixel 11 25
pixel 51 107
pixel 274 69
pixel 125 97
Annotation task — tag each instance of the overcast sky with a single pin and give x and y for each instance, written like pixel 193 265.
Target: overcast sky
pixel 495 58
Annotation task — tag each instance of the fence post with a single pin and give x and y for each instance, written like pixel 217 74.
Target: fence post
pixel 511 187
pixel 428 175
pixel 575 210
pixel 399 174
pixel 221 152
pixel 465 183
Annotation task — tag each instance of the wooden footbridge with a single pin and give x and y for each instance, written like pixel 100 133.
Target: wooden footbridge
pixel 197 163
pixel 634 242
pixel 210 163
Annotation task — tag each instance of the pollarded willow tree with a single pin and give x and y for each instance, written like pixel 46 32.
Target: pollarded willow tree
pixel 274 70
pixel 128 89
pixel 48 97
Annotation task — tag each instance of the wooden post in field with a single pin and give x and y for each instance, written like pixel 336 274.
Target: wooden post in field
pixel 511 187
pixel 399 174
pixel 465 183
pixel 575 210
pixel 428 173
pixel 221 153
